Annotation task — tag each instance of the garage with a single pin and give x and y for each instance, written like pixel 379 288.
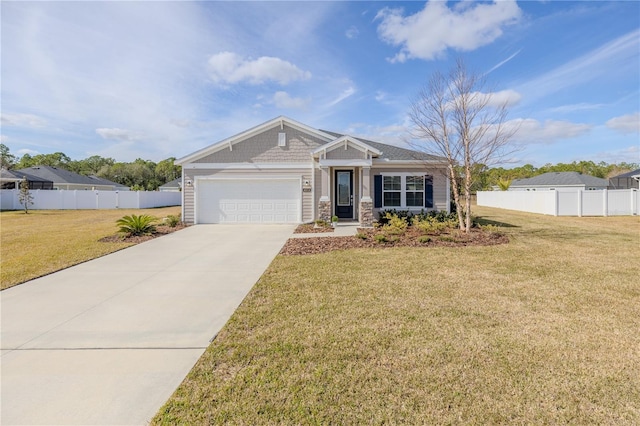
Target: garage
pixel 248 200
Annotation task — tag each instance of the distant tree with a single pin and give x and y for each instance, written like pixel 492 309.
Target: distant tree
pixel 454 119
pixel 504 184
pixel 24 196
pixel 166 170
pixel 90 166
pixel 7 159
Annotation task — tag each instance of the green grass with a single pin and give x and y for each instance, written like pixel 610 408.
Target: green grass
pixel 544 330
pixel 45 241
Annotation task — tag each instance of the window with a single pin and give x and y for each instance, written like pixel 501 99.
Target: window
pixel 415 191
pixel 282 139
pixel 391 191
pixel 404 191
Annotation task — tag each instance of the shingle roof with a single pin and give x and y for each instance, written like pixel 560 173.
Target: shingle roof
pixel 58 175
pixel 561 179
pixel 628 174
pixel 176 183
pixel 392 152
pixel 12 175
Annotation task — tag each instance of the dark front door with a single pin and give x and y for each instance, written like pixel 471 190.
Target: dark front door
pixel 344 194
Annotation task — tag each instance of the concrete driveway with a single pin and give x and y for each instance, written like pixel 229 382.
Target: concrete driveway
pixel 108 341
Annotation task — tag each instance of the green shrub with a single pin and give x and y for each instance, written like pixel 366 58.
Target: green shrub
pixel 321 223
pixel 361 236
pixel 172 220
pixel 429 225
pixel 447 238
pixel 385 215
pixel 135 225
pixel 396 225
pixel 380 238
pixel 424 239
pixel 492 229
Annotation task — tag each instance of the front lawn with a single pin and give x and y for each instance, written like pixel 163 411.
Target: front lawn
pixel 542 330
pixel 46 241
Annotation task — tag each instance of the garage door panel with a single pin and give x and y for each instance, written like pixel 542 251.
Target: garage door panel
pixel 248 201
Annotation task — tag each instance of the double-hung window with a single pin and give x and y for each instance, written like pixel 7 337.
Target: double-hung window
pixel 404 191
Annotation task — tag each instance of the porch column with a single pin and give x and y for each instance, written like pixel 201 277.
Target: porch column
pixel 324 205
pixel 365 213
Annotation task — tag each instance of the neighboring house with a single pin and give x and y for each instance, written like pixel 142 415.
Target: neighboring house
pixel 173 186
pixel 10 179
pixel 283 171
pixel 559 181
pixel 627 180
pixel 64 179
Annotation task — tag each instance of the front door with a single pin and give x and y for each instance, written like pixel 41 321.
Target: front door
pixel 344 194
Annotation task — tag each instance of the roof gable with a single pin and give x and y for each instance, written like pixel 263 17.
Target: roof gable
pixel 345 141
pixel 229 142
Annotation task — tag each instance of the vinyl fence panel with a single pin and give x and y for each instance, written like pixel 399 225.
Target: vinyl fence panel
pixel 89 200
pixel 565 203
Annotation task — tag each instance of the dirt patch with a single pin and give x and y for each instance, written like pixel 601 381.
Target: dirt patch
pixel 310 228
pixel 160 231
pixel 372 238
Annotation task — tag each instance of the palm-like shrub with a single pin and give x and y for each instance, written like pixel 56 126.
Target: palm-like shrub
pixel 134 225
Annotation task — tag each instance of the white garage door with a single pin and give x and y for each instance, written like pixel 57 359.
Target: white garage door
pixel 248 201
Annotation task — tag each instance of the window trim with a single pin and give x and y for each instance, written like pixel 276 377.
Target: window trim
pixel 403 190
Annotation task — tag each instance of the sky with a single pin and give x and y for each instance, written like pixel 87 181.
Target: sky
pixel 153 80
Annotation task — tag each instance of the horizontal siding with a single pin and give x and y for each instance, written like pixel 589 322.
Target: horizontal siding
pixel 264 148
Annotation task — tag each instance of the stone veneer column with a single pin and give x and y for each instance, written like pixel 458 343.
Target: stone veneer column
pixel 324 204
pixel 366 213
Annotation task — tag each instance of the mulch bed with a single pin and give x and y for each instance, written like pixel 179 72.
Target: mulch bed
pixel 310 228
pixel 411 238
pixel 160 231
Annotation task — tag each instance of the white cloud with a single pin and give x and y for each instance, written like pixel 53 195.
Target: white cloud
pixel 24 151
pixel 497 99
pixel 342 96
pixel 118 134
pixel 22 120
pixel 529 130
pixel 582 106
pixel 436 28
pixel 352 32
pixel 625 124
pixel 230 68
pixel 380 96
pixel 284 101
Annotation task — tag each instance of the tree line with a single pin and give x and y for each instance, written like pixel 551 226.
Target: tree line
pixel 147 175
pixel 139 175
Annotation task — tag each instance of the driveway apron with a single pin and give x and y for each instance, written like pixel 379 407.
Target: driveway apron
pixel 108 341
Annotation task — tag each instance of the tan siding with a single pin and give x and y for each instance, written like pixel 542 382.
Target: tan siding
pixel 263 148
pixel 350 153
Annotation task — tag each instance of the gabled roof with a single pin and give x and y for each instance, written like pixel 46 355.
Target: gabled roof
pixel 62 176
pixel 395 153
pixel 634 173
pixel 561 179
pixel 278 121
pixel 347 139
pixel 103 181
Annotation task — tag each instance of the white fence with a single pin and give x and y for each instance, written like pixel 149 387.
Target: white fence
pixel 618 202
pixel 89 200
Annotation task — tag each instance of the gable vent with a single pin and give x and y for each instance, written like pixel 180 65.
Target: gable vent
pixel 282 139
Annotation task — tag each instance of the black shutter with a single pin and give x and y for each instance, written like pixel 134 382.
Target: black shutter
pixel 428 191
pixel 377 191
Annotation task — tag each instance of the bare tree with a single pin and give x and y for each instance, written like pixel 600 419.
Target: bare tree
pixel 24 196
pixel 453 118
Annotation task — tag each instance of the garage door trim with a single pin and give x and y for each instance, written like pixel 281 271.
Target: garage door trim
pixel 198 179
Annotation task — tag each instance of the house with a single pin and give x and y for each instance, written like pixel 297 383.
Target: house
pixel 283 171
pixel 64 179
pixel 10 179
pixel 627 180
pixel 559 181
pixel 172 186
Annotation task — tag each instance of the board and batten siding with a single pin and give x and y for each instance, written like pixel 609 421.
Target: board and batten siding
pixel 193 174
pixel 263 148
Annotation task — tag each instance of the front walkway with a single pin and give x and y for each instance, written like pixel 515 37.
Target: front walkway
pixel 345 229
pixel 108 341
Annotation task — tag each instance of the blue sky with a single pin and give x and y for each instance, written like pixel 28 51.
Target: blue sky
pixel 161 79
